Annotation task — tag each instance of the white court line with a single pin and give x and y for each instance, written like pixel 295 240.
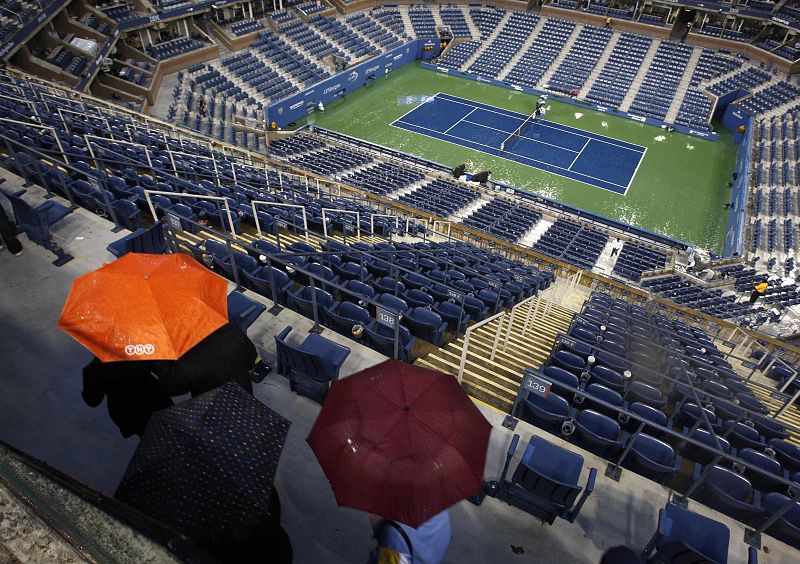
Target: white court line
pixel 545 123
pixel 459 121
pixel 512 160
pixel 636 169
pixel 415 107
pixel 521 136
pixel 569 168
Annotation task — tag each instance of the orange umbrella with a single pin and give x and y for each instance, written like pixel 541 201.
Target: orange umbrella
pixel 145 307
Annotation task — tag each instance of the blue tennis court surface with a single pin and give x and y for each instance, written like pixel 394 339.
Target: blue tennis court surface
pixel 567 151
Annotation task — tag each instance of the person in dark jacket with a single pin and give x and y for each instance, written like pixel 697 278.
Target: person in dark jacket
pixel 7 234
pixel 132 391
pixel 225 355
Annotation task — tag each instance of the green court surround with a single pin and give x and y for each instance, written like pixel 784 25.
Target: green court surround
pixel 679 189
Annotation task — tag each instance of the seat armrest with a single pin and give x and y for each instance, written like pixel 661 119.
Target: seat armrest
pixel 586 492
pixel 284 333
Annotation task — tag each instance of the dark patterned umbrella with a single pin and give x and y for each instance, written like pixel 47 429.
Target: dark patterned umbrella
pixel 207 463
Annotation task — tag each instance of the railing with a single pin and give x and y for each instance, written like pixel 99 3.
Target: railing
pixel 458 232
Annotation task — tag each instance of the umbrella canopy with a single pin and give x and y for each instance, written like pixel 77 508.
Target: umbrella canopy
pixel 145 307
pixel 400 441
pixel 207 463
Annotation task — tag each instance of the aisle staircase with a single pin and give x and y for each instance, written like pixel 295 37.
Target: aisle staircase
pixel 494 379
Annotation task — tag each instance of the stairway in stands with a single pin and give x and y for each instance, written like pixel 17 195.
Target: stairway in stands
pixel 637 81
pixel 496 381
pixel 498 30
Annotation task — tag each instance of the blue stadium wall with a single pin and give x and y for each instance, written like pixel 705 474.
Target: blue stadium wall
pixel 300 105
pixel 737 218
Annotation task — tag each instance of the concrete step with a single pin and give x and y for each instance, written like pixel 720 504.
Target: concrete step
pixel 407 21
pixel 476 33
pixel 469 209
pixel 534 233
pixel 683 86
pixel 601 63
pixel 397 194
pixel 565 50
pixel 637 80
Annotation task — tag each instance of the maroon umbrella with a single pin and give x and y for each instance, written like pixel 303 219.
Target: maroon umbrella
pixel 400 441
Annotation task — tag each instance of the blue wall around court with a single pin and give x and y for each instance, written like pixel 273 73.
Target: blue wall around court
pixel 737 217
pixel 297 107
pixel 570 100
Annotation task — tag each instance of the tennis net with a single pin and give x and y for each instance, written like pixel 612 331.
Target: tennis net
pixel 518 131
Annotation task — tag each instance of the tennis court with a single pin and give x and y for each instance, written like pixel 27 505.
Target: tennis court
pixel 573 153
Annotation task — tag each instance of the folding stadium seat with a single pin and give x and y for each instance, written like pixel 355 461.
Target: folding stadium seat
pixel 742 436
pixel 388 285
pixel 787 454
pixel 548 413
pixel 652 458
pixel 760 481
pixel 312 365
pixel 701 455
pixel 689 413
pixel 302 301
pixel 243 311
pixel 649 414
pixel 545 483
pixel 729 493
pixel 321 272
pixel 787 527
pixel 260 282
pixel 381 338
pixel 640 392
pixel 128 214
pixel 769 428
pixel 359 292
pixel 559 376
pixel 427 325
pixel 598 433
pixel 685 536
pixel 418 298
pixel 343 316
pixel 585 401
pixel 456 317
pixel 607 377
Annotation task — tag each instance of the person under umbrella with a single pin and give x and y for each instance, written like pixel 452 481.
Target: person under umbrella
pixel 226 355
pixel 206 467
pixel 132 392
pixel 404 443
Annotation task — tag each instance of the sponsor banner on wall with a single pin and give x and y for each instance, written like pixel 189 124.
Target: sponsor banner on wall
pixel 299 105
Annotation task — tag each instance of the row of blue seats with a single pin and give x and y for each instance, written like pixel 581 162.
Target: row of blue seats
pixel 245 27
pixel 289 59
pixel 174 48
pixel 440 197
pixel 507 43
pixel 541 54
pixel 368 27
pixel 344 36
pixel 617 75
pixel 635 258
pixel 503 219
pixel 572 242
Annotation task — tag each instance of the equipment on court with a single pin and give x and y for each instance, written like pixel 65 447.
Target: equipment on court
pixel 481 177
pixel 518 131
